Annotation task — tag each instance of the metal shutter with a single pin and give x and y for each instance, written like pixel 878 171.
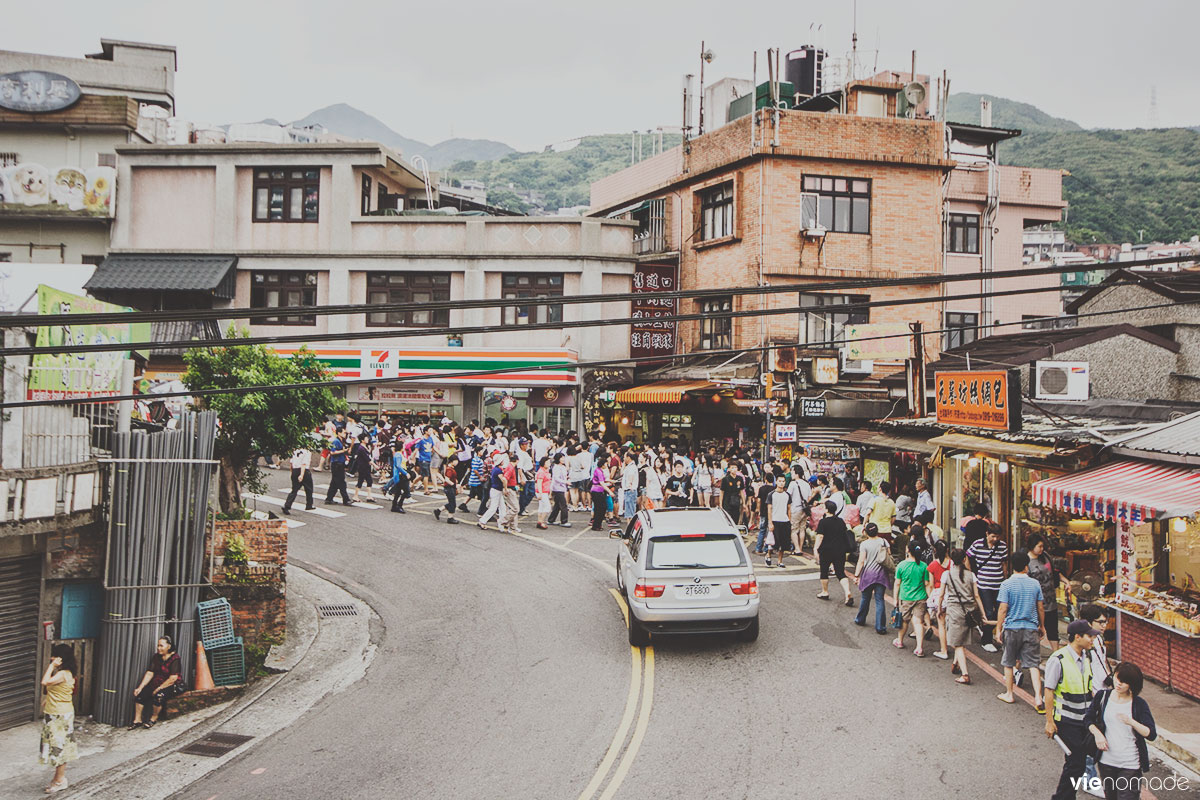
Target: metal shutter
pixel 823 435
pixel 20 586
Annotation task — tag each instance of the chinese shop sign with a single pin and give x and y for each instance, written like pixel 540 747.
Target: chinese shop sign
pixel 37 92
pixel 989 400
pixel 648 337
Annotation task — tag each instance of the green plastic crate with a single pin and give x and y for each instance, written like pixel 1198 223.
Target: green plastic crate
pixel 228 664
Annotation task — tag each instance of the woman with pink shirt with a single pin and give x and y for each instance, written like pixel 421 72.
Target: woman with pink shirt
pixel 541 488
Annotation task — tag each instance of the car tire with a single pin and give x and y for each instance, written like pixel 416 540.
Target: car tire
pixel 751 633
pixel 638 635
pixel 620 585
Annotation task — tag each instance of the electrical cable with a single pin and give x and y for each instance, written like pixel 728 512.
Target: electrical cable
pixel 449 376
pixel 400 333
pixel 196 315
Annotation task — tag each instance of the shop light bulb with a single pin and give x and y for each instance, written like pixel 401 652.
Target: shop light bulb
pixel 1003 466
pixel 624 420
pixel 1180 525
pixel 974 462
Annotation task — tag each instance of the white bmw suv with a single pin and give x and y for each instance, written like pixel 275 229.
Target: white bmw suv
pixel 686 570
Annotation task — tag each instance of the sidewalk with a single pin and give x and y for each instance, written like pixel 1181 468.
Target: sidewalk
pixel 108 755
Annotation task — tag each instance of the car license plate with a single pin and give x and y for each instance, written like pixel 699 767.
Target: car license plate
pixel 695 590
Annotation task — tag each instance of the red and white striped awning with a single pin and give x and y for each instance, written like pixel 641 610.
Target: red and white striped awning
pixel 1132 491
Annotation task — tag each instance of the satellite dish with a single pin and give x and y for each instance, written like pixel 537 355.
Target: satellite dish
pixel 914 93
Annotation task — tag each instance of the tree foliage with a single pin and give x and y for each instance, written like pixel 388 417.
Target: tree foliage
pixel 269 422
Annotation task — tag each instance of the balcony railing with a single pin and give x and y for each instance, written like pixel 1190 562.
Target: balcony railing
pixel 69 434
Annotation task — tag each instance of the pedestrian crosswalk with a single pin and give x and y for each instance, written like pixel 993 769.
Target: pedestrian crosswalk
pixel 275 501
pixel 356 505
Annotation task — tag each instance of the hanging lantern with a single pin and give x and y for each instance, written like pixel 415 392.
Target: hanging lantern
pixel 716 398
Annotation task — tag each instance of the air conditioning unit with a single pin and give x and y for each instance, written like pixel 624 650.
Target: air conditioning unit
pixel 1062 380
pixel 852 367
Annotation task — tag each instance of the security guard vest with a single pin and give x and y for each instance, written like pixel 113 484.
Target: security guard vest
pixel 1073 694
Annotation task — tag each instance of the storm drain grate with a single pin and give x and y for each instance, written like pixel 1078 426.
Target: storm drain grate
pixel 337 611
pixel 216 745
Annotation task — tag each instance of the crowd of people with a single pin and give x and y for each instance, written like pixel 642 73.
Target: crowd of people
pixel 943 586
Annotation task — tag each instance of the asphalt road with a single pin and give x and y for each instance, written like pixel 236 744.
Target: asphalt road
pixel 503 671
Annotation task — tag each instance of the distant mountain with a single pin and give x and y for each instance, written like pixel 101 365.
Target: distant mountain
pixel 964 107
pixel 349 121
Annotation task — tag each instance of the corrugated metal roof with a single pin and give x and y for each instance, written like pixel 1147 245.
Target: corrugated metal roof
pixel 182 331
pixel 1180 437
pixel 165 272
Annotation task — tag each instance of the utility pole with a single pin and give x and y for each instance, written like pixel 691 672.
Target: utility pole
pixel 916 373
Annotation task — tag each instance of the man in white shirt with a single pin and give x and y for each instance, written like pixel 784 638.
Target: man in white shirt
pixel 629 486
pixel 301 477
pixel 799 493
pixel 924 499
pixel 865 498
pixel 805 463
pixel 541 447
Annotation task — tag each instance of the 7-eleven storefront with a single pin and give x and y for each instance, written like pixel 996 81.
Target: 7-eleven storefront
pixel 520 387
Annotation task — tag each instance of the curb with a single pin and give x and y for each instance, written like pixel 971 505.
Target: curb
pixel 1178 752
pixel 290 654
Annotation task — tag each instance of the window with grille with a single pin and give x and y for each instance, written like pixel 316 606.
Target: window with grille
pixel 961 328
pixel 841 205
pixel 284 289
pixel 390 288
pixel 716 329
pixel 366 194
pixel 962 233
pixel 822 321
pixel 287 195
pixel 106 160
pixel 716 212
pixel 520 286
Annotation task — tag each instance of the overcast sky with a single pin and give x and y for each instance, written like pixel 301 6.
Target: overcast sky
pixel 531 74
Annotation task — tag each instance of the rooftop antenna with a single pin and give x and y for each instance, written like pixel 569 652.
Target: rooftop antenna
pixel 1152 115
pixel 854 45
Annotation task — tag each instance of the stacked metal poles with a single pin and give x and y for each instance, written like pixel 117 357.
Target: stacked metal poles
pixel 155 554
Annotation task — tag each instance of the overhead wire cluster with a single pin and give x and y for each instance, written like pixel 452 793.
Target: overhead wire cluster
pixel 45 320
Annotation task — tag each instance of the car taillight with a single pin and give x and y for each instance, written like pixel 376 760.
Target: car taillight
pixel 748 587
pixel 643 590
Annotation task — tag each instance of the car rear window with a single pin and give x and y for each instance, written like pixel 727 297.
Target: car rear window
pixel 705 551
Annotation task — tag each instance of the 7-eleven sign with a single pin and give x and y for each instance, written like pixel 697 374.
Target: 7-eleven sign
pixel 381 363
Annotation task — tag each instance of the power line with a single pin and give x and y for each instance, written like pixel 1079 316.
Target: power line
pixel 196 315
pixel 400 333
pixel 543 367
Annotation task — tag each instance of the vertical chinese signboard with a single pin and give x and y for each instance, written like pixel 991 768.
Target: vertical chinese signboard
pixel 979 399
pixel 648 338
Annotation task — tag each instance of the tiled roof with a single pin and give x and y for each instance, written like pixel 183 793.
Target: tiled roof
pixel 166 272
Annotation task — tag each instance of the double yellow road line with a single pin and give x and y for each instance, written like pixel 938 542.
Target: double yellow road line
pixel 641 687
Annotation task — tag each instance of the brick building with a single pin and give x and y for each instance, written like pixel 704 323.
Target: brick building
pixel 788 197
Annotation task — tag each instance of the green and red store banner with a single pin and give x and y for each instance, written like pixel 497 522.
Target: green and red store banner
pixel 556 367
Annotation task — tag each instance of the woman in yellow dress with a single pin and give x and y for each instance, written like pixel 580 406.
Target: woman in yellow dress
pixel 58 715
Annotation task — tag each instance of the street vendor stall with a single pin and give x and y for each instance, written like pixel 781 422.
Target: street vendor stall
pixel 1150 510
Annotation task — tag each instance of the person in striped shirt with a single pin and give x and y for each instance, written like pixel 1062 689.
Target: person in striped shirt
pixel 989 560
pixel 476 483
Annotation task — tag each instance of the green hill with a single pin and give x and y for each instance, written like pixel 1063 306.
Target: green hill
pixel 563 176
pixel 1121 181
pixel 964 107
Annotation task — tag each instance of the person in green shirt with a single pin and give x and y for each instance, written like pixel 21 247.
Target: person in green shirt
pixel 913 584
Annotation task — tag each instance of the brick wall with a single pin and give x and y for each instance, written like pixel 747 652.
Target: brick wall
pixel 84 560
pixel 258 591
pixel 266 540
pixel 1162 655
